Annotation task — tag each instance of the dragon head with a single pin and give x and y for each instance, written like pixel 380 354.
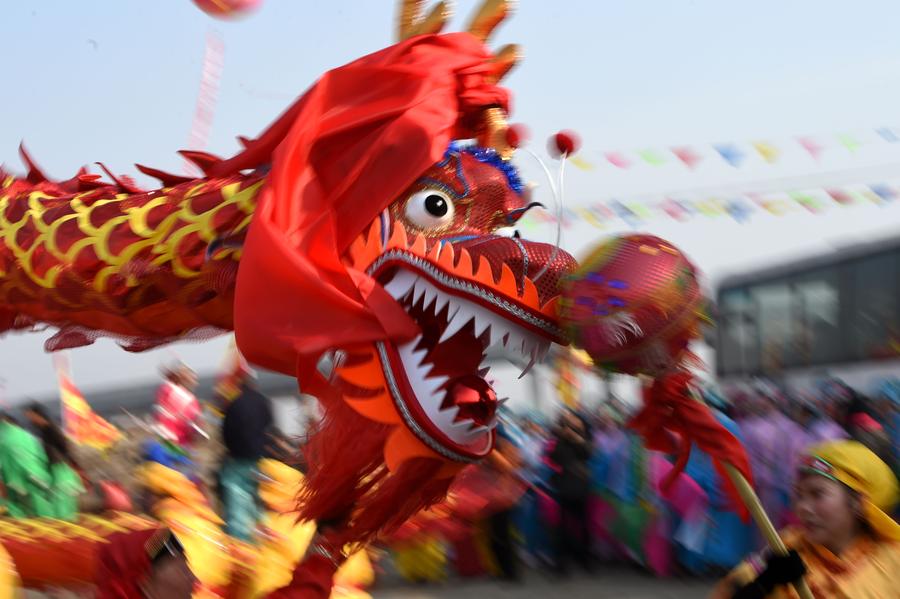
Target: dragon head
pixel 383 267
pixel 447 251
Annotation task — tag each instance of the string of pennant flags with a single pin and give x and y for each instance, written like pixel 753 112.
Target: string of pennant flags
pixel 741 207
pixel 739 154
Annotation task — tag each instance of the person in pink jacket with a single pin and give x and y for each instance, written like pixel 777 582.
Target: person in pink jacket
pixel 177 410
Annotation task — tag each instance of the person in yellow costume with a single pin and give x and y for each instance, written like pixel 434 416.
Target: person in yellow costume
pixel 282 541
pixel 9 578
pixel 218 561
pixel 847 546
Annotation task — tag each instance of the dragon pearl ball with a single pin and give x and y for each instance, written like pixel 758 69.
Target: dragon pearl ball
pixel 634 304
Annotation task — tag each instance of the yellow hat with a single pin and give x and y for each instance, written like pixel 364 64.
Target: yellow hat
pixel 857 467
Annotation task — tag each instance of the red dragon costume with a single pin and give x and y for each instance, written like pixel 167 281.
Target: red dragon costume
pixel 356 243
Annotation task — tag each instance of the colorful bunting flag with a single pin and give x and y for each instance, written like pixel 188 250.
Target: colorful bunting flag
pixel 813 147
pixel 652 157
pixel 768 152
pixel 591 217
pixel 771 203
pixel 731 153
pixel 807 201
pixel 885 192
pixel 735 154
pixel 888 135
pixel 840 196
pixel 687 155
pixel 580 163
pixel 674 209
pixel 710 207
pixel 866 194
pixel 740 207
pixel 623 212
pixel 618 160
pixel 850 142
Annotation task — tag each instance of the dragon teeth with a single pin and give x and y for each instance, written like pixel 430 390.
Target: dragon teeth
pixel 401 284
pixel 461 318
pixel 482 322
pixel 530 364
pixel 419 290
pixel 430 295
pixel 442 300
pixel 435 383
pixel 501 333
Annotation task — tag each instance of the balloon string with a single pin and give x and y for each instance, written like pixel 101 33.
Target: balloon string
pixel 556 189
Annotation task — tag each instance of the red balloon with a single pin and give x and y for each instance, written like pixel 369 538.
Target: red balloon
pixel 565 142
pixel 227 9
pixel 633 305
pixel 517 135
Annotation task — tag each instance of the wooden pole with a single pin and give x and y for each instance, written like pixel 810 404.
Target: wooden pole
pixel 748 495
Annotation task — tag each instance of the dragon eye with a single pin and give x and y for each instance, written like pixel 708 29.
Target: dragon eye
pixel 430 209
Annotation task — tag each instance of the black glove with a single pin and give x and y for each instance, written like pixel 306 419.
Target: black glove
pixel 780 570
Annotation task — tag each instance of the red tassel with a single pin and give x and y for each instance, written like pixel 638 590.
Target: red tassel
pixel 349 487
pixel 312 580
pixel 343 453
pixel 670 410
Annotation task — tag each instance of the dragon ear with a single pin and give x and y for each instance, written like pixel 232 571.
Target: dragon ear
pixel 493 130
pixel 412 21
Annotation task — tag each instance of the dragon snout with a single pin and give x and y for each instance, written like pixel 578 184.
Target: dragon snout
pixel 544 264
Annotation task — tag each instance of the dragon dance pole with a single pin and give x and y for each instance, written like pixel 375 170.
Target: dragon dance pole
pixel 748 495
pixel 756 509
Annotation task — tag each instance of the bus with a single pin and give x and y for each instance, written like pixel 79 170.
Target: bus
pixel 832 315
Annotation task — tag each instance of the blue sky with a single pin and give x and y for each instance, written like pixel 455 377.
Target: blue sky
pixel 117 82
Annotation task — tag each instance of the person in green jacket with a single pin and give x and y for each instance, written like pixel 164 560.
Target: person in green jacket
pixel 66 485
pixel 25 472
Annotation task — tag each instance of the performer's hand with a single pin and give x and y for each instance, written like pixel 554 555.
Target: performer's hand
pixel 783 569
pixel 780 570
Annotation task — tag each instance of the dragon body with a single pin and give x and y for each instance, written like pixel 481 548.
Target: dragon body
pixel 98 259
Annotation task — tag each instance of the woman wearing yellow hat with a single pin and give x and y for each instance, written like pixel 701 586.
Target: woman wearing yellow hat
pixel 847 546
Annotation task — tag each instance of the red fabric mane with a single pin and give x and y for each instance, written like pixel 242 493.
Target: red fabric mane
pixel 354 142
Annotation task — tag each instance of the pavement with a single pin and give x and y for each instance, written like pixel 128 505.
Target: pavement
pixel 606 584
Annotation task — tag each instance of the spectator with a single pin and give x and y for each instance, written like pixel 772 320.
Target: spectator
pixel 248 419
pixel 177 409
pixel 66 485
pixel 569 459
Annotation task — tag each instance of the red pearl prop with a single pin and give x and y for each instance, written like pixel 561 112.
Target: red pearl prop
pixel 633 305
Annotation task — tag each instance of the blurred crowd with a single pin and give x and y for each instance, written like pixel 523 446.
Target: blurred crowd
pixel 572 493
pixel 587 491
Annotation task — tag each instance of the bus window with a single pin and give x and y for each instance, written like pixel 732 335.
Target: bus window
pixel 738 344
pixel 817 332
pixel 875 327
pixel 775 321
